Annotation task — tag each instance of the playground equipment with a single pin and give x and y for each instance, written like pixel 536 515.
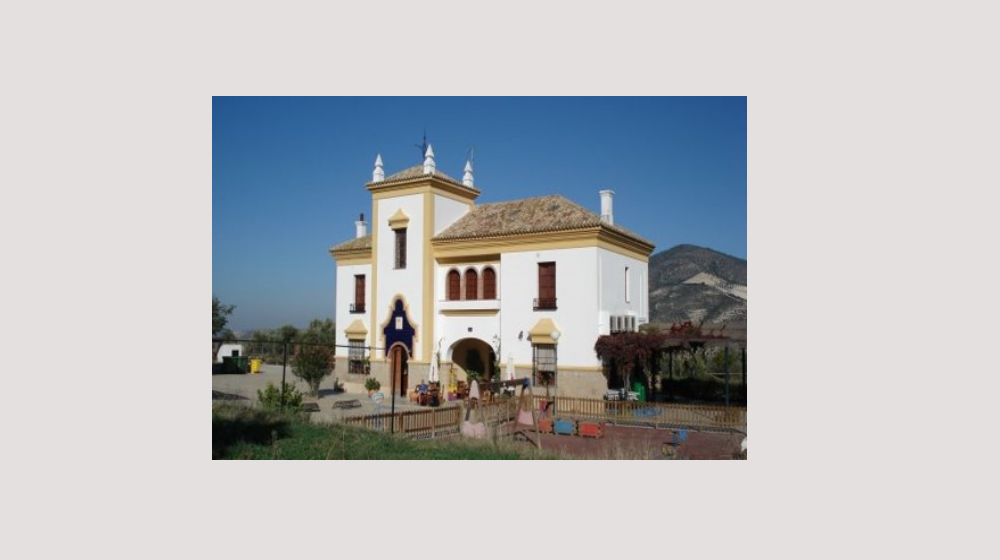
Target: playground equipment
pixel 527 415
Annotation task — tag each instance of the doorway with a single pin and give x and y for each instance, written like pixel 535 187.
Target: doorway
pixel 400 369
pixel 472 354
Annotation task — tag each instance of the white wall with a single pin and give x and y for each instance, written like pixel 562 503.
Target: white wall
pixel 456 328
pixel 345 297
pixel 612 294
pixel 447 211
pixel 226 350
pixel 408 281
pixel 576 294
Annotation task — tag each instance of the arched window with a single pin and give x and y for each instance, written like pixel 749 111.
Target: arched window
pixel 471 284
pixel 454 286
pixel 489 284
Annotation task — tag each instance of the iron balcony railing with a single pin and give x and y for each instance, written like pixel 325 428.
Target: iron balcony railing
pixel 545 304
pixel 357 308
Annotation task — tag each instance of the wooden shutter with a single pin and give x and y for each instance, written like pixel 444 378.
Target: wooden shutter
pixel 454 285
pixel 359 291
pixel 489 284
pixel 547 285
pixel 471 284
pixel 401 248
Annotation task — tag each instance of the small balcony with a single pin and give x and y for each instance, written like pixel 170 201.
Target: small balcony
pixel 357 308
pixel 467 305
pixel 545 304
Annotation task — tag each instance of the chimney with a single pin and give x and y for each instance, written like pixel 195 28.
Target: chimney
pixel 607 213
pixel 362 226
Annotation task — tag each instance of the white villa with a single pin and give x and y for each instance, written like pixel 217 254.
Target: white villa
pixel 535 280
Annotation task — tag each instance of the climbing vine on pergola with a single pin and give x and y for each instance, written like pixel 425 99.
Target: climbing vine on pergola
pixel 630 349
pixel 626 350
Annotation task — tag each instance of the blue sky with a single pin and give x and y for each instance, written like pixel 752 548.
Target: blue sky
pixel 288 176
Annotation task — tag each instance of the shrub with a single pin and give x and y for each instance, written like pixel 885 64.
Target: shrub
pixel 372 384
pixel 270 397
pixel 311 364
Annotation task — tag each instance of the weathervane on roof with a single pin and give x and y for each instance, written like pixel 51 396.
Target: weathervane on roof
pixel 422 146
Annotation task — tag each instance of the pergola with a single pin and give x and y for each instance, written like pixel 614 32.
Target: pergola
pixel 688 339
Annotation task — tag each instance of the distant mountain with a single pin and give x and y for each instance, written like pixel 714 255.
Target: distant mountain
pixel 689 283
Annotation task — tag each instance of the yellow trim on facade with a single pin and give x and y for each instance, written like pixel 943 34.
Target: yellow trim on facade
pixel 420 185
pixel 374 298
pixel 541 333
pixel 468 312
pixel 356 331
pixel 567 239
pixel 428 303
pixel 493 260
pixel 345 260
pixel 422 190
pixel 399 220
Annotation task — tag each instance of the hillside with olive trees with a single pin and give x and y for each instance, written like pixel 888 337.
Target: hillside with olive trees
pixel 690 283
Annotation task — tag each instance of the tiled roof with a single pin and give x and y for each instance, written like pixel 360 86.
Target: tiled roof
pixel 416 172
pixel 528 215
pixel 356 244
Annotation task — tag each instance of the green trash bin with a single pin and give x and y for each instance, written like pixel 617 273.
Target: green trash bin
pixel 235 364
pixel 641 389
pixel 242 364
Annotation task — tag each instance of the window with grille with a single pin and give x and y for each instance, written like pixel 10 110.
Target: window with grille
pixel 401 248
pixel 454 286
pixel 489 284
pixel 545 364
pixel 356 357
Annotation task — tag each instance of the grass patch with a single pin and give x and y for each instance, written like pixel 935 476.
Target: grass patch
pixel 240 432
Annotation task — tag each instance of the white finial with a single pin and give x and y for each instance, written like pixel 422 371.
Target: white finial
pixel 467 179
pixel 378 174
pixel 429 161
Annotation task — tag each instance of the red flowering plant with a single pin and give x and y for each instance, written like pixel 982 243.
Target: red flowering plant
pixel 630 349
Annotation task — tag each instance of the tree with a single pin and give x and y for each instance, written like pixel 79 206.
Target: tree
pixel 315 357
pixel 220 315
pixel 320 332
pixel 287 333
pixel 311 363
pixel 627 350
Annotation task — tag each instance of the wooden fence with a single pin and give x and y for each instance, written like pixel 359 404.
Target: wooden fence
pixel 421 423
pixel 657 415
pixel 447 420
pixel 434 422
pixel 495 413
